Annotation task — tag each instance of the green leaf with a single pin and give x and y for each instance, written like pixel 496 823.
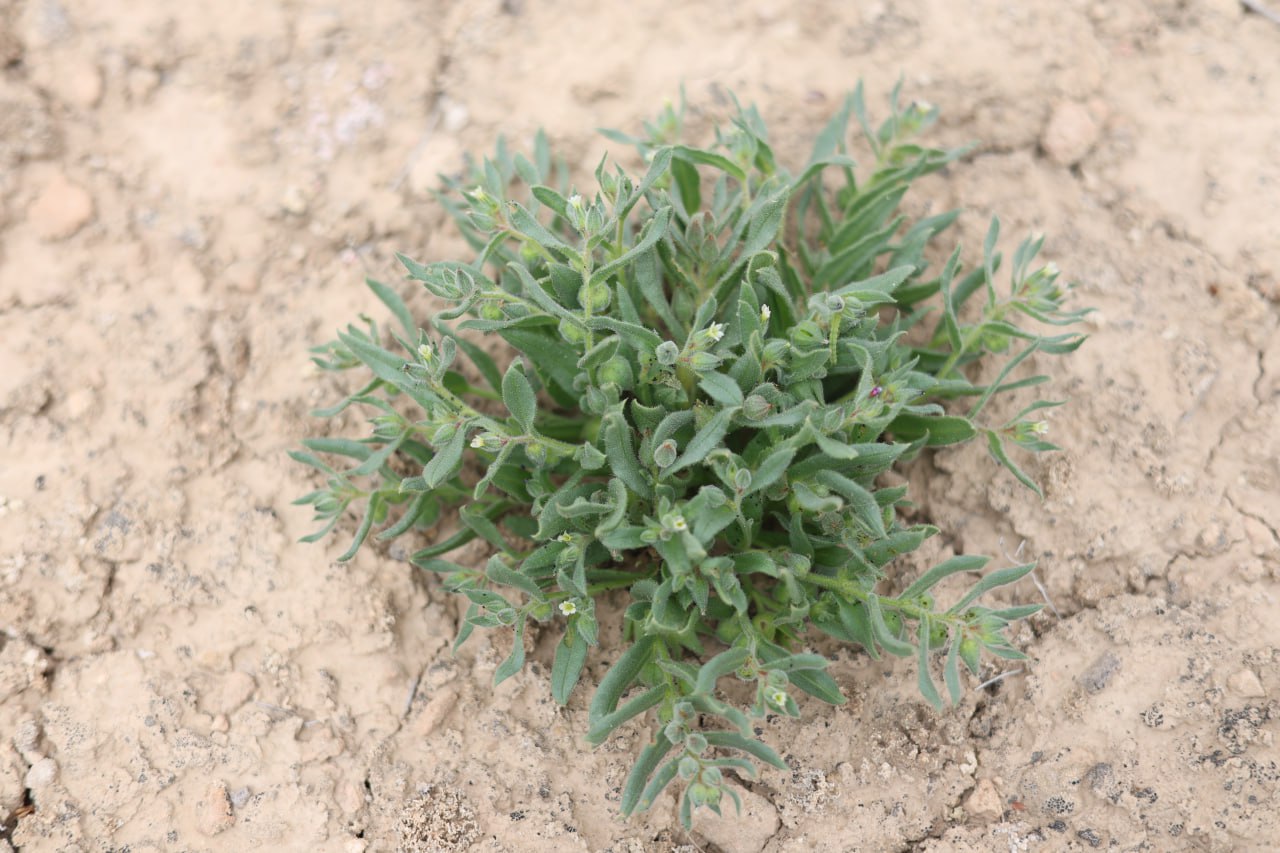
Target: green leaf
pixel 925 681
pixel 515 662
pixel 707 439
pixel 702 157
pixel 371 510
pixel 601 729
pixel 622 456
pixel 518 397
pixel 951 671
pixel 648 761
pixel 654 231
pixel 721 388
pixel 638 337
pixel 446 461
pixel 962 563
pixel 733 740
pixel 941 429
pixel 571 655
pixel 620 676
pixel 880 631
pixel 393 301
pixel 860 500
pixel 527 224
pixel 719 666
pixel 771 469
pixel 996 445
pixel 1003 577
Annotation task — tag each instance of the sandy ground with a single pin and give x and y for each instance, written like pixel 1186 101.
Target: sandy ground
pixel 190 194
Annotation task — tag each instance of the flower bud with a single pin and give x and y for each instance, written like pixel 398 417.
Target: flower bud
pixel 443 434
pixel 664 455
pixel 756 407
pixel 572 332
pixel 595 297
pixel 667 353
pixel 704 361
pixel 616 371
pixel 589 457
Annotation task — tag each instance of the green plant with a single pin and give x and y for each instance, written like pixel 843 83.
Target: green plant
pixel 722 358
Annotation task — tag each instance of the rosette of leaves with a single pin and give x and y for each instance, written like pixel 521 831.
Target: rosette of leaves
pixel 713 365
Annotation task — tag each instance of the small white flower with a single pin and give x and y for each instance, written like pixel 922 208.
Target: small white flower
pixel 778 698
pixel 565 537
pixel 568 608
pixel 678 523
pixel 1040 428
pixel 765 313
pixel 477 442
pixel 575 200
pixel 715 331
pixel 1051 268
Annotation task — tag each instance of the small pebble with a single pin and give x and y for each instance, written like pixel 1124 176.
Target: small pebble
pixel 294 201
pixel 213 811
pixel 42 774
pixel 1247 684
pixel 61 209
pixel 79 83
pixel 233 691
pixel 983 804
pixel 1070 133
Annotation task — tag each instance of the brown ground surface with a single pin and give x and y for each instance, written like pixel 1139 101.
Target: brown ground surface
pixel 190 194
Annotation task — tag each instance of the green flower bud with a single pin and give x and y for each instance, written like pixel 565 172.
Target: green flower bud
pixel 595 297
pixel 664 455
pixel 537 453
pixel 490 310
pixel 616 371
pixel 572 332
pixel 703 795
pixel 589 457
pixel 688 767
pixel 443 434
pixel 756 407
pixel 674 731
pixel 775 351
pixel 667 353
pixel 695 743
pixel 938 634
pixel 728 631
pixel 893 621
pixel 704 361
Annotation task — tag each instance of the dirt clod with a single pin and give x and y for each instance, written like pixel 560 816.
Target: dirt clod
pixel 745 833
pixel 1070 133
pixel 61 209
pixel 213 810
pixel 983 803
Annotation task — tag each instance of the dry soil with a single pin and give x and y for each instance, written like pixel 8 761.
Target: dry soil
pixel 190 195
